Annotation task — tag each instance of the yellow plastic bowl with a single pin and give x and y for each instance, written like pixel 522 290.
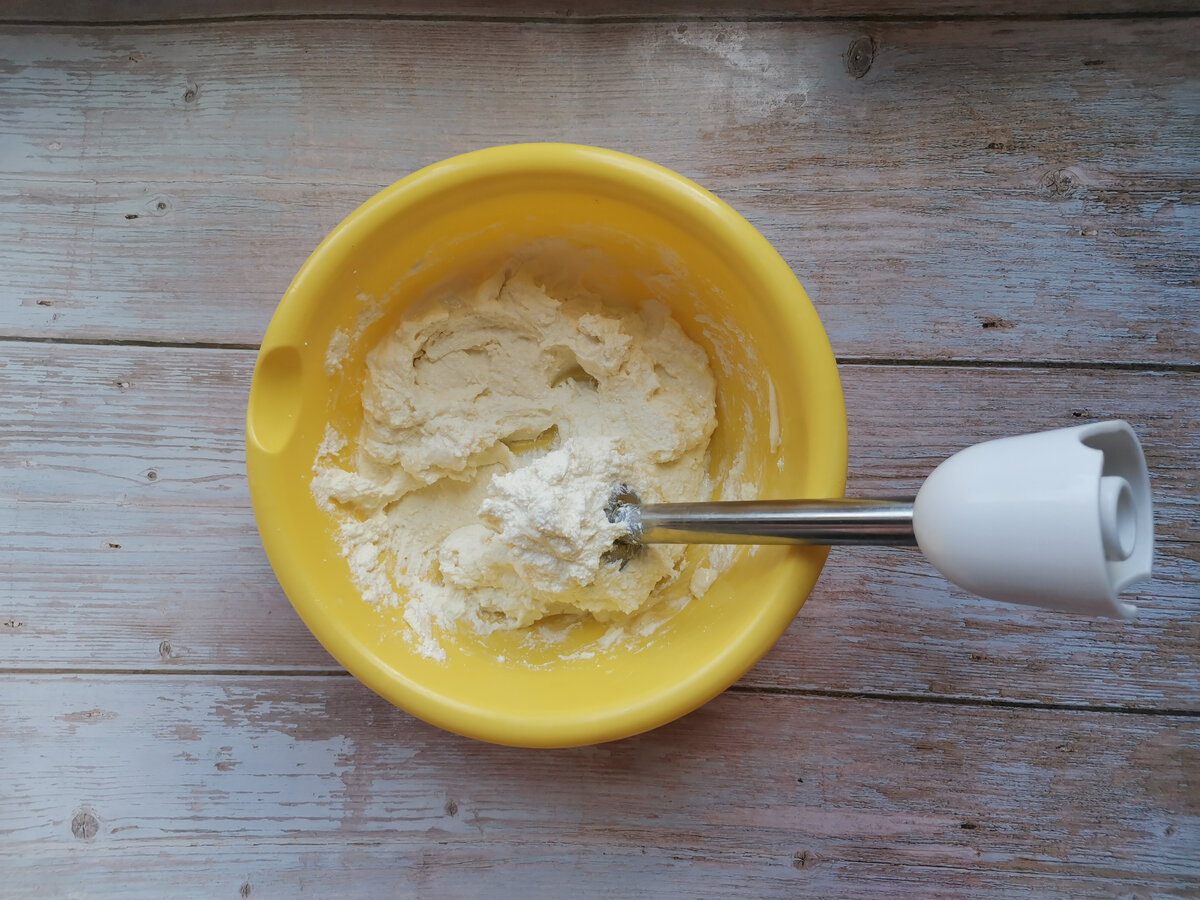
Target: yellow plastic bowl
pixel 780 407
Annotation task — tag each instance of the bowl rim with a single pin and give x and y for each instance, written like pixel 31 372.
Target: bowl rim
pixel 686 202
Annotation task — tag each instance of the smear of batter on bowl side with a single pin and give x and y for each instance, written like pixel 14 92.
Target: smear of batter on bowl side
pixel 495 425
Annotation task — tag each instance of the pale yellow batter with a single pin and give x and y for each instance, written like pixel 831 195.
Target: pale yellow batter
pixel 495 426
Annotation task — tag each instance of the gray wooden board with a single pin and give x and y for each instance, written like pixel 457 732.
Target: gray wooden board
pixel 987 190
pixel 124 11
pixel 313 783
pixel 995 212
pixel 108 568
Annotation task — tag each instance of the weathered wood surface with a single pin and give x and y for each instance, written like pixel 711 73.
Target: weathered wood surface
pixel 149 11
pixel 218 780
pixel 986 189
pixel 126 464
pixel 1011 185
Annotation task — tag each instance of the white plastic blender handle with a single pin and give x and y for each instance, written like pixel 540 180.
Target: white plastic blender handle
pixel 1060 519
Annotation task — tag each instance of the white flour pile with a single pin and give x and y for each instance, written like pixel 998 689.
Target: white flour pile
pixel 495 427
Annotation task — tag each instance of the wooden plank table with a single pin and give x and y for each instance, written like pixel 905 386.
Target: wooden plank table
pixel 997 212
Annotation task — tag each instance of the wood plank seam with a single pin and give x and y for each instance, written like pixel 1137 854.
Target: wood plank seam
pixel 749 690
pixel 879 361
pixel 131 342
pixel 950 700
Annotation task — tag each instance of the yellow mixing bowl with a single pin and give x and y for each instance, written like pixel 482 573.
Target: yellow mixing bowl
pixel 647 232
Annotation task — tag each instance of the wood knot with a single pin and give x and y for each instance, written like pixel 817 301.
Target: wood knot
pixel 1062 184
pixel 805 859
pixel 969 826
pixel 995 322
pixel 245 889
pixel 157 206
pixel 191 92
pixel 85 825
pixel 165 650
pixel 860 55
pixel 451 808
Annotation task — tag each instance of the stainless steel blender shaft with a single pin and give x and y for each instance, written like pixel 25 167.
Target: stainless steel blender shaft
pixel 813 522
pixel 823 522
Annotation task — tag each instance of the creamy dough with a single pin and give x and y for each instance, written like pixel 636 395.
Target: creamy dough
pixel 495 426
